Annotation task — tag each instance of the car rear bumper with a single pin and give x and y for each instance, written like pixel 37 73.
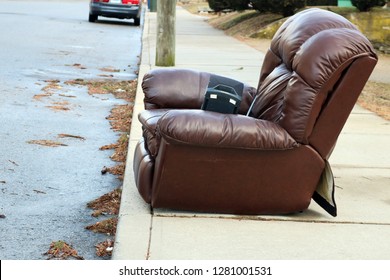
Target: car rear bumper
pixel 116 11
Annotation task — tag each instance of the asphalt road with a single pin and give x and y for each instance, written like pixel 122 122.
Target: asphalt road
pixel 44 189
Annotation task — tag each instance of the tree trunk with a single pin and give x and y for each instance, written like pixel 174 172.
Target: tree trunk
pixel 166 33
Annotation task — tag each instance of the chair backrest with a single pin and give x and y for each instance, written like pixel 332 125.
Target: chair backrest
pixel 317 65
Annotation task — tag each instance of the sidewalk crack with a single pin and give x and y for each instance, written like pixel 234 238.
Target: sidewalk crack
pixel 150 234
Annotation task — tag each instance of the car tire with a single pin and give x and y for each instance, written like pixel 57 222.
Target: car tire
pixel 92 18
pixel 137 21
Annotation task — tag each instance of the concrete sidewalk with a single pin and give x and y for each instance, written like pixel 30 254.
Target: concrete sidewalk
pixel 361 165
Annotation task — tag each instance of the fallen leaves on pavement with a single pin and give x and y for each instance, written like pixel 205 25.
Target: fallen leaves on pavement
pixel 79 66
pixel 14 163
pixel 376 98
pixel 105 226
pixel 107 204
pixel 104 248
pixel 48 90
pixel 120 117
pixel 59 106
pixel 38 191
pixel 118 170
pixel 40 96
pixel 120 120
pixel 109 69
pixel 52 143
pixel 48 143
pixel 60 250
pixel 108 147
pixel 120 89
pixel 64 135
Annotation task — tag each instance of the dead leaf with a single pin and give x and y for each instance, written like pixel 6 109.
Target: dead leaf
pixel 109 69
pixel 48 143
pixel 108 147
pixel 52 81
pixel 120 117
pixel 106 226
pixel 376 98
pixel 104 248
pixel 60 250
pixel 106 204
pixel 52 86
pixel 78 65
pixel 58 108
pixel 38 191
pixel 66 95
pixel 118 169
pixel 14 163
pixel 40 96
pixel 64 135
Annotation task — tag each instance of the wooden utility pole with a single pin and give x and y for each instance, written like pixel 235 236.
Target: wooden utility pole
pixel 166 33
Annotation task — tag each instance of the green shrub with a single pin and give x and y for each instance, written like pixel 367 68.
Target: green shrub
pixel 283 7
pixel 220 5
pixel 366 5
pixel 321 2
pixel 239 5
pixel 261 5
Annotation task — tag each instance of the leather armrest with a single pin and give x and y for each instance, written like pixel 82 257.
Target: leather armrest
pixel 175 88
pixel 204 128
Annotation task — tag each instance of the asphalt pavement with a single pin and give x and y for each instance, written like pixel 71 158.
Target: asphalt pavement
pixel 44 188
pixel 360 162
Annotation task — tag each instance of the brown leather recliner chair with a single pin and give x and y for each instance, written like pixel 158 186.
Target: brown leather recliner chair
pixel 272 159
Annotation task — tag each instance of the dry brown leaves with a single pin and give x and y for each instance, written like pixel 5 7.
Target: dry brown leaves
pixel 64 135
pixel 118 170
pixel 59 106
pixel 79 66
pixel 60 250
pixel 109 69
pixel 51 85
pixel 52 143
pixel 107 226
pixel 120 89
pixel 107 204
pixel 104 248
pixel 48 143
pixel 40 96
pixel 48 90
pixel 119 155
pixel 376 98
pixel 108 147
pixel 120 120
pixel 120 117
